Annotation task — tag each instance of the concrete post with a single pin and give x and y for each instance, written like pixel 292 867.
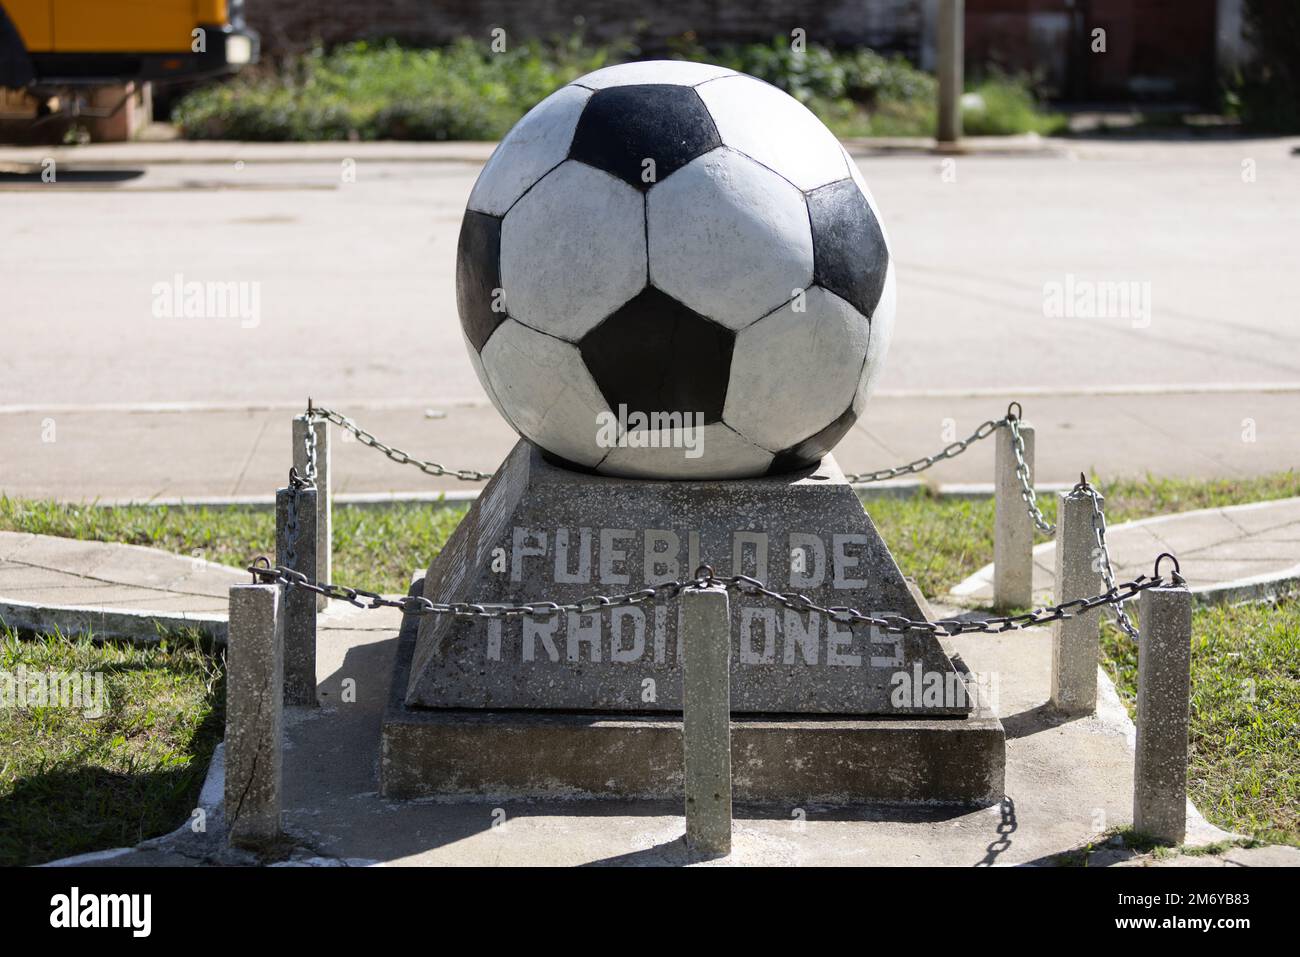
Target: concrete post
pixel 1164 688
pixel 952 16
pixel 1076 641
pixel 1013 529
pixel 254 713
pixel 324 497
pixel 296 547
pixel 706 726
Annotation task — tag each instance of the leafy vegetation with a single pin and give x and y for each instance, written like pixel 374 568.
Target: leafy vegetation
pixel 464 91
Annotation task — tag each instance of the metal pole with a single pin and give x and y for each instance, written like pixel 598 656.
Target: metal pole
pixel 254 714
pixel 706 725
pixel 1164 690
pixel 952 15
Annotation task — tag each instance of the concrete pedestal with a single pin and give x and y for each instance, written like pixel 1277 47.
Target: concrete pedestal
pixel 784 760
pixel 591 704
pixel 543 533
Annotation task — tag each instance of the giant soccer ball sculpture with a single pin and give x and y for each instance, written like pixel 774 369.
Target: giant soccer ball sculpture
pixel 688 254
pixel 661 245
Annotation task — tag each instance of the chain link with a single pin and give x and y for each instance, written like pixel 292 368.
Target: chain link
pixel 1107 569
pixel 1022 473
pixel 920 465
pixel 395 454
pixel 892 624
pixel 309 441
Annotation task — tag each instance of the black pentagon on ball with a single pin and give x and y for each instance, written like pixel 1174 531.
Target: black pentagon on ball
pixel 623 126
pixel 478 276
pixel 655 355
pixel 814 448
pixel 849 253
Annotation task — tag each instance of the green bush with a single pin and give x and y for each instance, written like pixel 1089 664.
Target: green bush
pixel 1003 105
pixel 465 92
pixel 386 91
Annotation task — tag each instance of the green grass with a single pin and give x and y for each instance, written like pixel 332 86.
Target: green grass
pixel 374 548
pixel 71 783
pixel 464 91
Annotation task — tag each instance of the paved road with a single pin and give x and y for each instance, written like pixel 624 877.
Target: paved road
pixel 356 303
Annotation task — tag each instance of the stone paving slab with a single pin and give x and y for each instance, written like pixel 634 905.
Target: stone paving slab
pixel 111 589
pixel 1226 554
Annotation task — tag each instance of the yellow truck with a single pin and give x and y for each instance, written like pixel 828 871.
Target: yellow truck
pixel 50 46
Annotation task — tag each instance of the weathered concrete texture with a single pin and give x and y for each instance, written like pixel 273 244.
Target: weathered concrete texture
pixel 254 714
pixel 542 533
pixel 1013 529
pixel 517 754
pixel 1076 644
pixel 110 589
pixel 1164 688
pixel 706 720
pixel 296 528
pixel 324 561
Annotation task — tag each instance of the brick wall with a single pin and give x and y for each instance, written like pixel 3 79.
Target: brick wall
pixel 1155 49
pixel 289 25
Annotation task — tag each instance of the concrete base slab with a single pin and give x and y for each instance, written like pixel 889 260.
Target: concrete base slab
pixel 789 759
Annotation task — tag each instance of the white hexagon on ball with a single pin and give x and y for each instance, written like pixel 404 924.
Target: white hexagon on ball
pixel 796 370
pixel 729 238
pixel 774 128
pixel 534 146
pixel 547 389
pixel 673 72
pixel 573 250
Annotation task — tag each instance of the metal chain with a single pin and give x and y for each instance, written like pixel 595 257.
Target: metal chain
pixel 1022 473
pixel 401 457
pixel 704 577
pixel 397 455
pixel 920 465
pixel 296 482
pixel 309 440
pixel 1107 570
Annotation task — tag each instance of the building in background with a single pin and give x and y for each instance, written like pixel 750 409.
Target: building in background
pixel 1169 50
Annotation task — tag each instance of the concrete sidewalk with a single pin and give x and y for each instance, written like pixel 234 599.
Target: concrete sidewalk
pixel 109 589
pixel 142 452
pixel 1237 553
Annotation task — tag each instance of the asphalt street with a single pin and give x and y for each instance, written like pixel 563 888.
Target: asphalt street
pixel 1158 275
